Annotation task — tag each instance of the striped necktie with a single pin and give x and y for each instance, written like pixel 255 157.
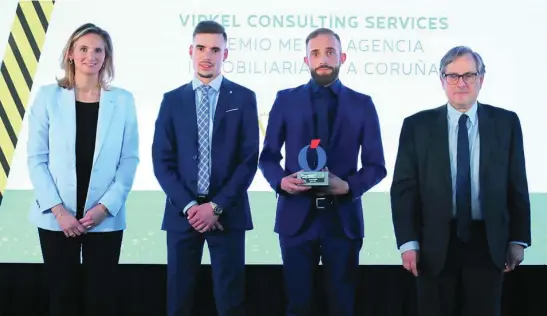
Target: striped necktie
pixel 203 140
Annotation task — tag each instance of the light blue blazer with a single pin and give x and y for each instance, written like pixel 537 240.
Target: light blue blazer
pixel 51 155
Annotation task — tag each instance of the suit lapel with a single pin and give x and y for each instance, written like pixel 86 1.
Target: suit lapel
pixel 305 104
pixel 487 134
pixel 67 107
pixel 106 111
pixel 223 103
pixel 439 152
pixel 187 112
pixel 185 116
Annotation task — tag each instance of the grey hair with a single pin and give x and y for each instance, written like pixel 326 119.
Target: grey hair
pixel 458 51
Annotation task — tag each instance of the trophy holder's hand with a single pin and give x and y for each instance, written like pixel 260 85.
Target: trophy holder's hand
pixel 292 185
pixel 336 186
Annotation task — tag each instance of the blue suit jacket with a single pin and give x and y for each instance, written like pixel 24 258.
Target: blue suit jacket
pixel 355 128
pixel 234 153
pixel 52 156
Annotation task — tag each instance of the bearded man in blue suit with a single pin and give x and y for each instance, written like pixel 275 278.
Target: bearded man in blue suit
pixel 322 223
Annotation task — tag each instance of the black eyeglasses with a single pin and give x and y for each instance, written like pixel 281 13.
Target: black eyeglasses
pixel 469 78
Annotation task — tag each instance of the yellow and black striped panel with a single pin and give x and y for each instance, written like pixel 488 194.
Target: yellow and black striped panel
pixel 17 70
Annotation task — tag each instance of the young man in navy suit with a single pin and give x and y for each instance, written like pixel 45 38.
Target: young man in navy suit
pixel 205 156
pixel 322 224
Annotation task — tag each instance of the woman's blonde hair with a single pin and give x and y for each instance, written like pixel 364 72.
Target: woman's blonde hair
pixel 106 74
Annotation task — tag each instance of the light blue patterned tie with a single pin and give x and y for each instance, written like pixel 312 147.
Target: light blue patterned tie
pixel 203 140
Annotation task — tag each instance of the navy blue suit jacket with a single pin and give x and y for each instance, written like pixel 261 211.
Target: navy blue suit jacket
pixel 356 127
pixel 234 152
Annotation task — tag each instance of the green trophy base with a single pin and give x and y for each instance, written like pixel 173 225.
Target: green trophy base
pixel 314 178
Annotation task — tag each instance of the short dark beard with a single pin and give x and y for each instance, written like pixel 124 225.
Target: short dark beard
pixel 325 80
pixel 205 76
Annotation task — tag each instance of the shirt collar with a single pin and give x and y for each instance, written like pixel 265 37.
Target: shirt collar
pixel 454 115
pixel 334 87
pixel 215 83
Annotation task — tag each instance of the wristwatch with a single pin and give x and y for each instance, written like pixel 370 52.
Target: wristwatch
pixel 217 210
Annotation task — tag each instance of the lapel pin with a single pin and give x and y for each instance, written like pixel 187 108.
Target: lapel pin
pixel 230 91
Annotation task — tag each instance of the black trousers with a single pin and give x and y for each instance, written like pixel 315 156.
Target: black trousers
pixel 90 288
pixel 469 285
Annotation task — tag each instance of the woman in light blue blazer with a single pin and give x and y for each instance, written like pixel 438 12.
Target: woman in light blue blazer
pixel 83 152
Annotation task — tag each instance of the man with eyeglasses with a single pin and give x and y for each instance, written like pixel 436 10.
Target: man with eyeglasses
pixel 459 195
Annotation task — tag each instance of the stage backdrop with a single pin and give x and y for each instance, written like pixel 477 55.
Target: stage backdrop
pixel 393 49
